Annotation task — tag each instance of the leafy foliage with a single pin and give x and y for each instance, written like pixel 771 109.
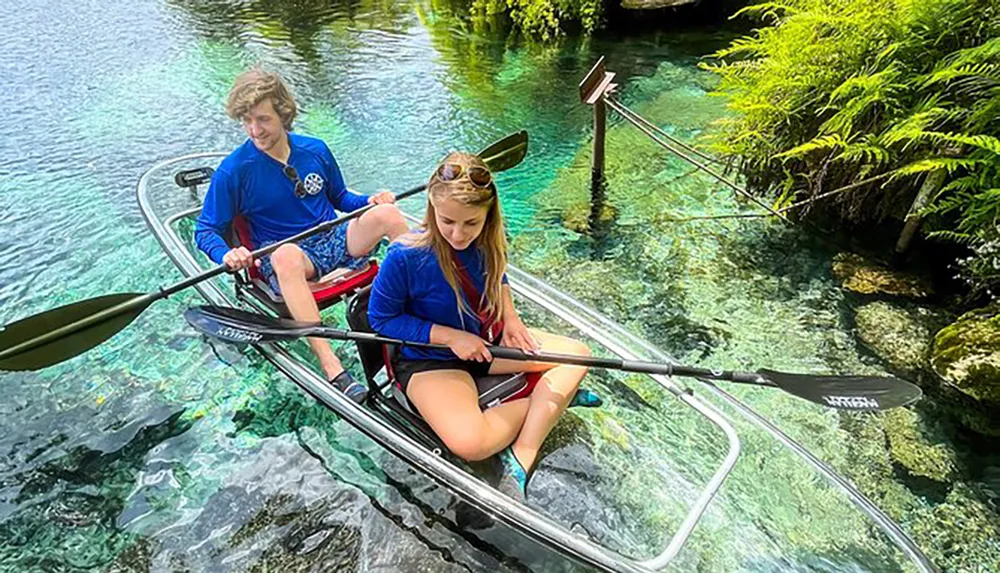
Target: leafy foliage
pixel 544 19
pixel 831 93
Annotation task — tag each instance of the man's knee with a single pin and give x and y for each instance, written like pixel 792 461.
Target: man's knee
pixel 288 259
pixel 387 216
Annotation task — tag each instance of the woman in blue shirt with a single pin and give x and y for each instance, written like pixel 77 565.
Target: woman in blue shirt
pixel 446 285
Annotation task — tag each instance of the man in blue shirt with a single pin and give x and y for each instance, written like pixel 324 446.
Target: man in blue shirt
pixel 284 183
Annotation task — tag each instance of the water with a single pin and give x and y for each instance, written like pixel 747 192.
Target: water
pixel 157 451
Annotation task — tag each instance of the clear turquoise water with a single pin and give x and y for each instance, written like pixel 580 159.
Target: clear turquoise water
pixel 157 451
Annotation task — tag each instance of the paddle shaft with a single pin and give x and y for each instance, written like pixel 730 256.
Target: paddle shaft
pixel 139 303
pixel 508 353
pixel 264 251
pixel 851 392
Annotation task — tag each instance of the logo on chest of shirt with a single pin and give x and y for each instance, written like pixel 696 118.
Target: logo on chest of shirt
pixel 313 183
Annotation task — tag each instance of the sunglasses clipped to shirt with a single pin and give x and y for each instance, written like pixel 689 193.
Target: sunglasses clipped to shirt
pixel 478 176
pixel 300 187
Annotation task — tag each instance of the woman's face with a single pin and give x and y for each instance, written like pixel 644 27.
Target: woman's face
pixel 458 223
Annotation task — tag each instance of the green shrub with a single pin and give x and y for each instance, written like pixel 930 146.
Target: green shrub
pixel 875 95
pixel 544 19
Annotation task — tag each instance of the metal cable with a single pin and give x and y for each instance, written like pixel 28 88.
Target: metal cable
pixel 626 114
pixel 625 110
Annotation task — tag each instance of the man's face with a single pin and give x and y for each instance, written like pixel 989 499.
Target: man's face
pixel 263 126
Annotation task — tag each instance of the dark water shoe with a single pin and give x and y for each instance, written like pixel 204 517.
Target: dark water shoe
pixel 350 387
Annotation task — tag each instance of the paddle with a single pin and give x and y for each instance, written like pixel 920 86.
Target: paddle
pixel 62 333
pixel 842 392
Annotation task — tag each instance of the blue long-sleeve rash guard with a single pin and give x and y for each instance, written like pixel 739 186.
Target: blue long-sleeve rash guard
pixel 410 294
pixel 251 183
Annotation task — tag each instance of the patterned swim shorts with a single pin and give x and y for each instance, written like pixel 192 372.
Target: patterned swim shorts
pixel 327 251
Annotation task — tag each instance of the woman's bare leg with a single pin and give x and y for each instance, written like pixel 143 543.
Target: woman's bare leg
pixel 449 402
pixel 551 395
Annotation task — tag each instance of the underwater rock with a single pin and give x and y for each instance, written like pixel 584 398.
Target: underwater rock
pixel 916 447
pixel 577 216
pixel 960 533
pixel 899 335
pixel 966 353
pixel 871 465
pixel 137 557
pixel 568 431
pixel 865 277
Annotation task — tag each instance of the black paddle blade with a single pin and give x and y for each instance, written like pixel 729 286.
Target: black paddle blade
pixel 859 393
pixel 506 153
pixel 61 333
pixel 242 327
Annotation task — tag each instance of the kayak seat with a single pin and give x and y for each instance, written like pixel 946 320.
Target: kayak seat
pixel 327 290
pixel 376 358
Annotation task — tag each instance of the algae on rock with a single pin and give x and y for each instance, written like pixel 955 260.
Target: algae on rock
pixel 864 277
pixel 900 335
pixel 967 353
pixel 922 452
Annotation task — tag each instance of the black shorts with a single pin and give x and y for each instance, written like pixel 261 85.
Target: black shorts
pixel 404 369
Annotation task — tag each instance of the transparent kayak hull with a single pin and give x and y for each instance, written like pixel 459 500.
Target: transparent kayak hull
pixel 165 206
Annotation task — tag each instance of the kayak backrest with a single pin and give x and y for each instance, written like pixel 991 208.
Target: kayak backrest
pixel 240 236
pixel 371 353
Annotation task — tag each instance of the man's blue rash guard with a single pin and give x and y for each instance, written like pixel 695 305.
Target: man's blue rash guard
pixel 251 183
pixel 410 294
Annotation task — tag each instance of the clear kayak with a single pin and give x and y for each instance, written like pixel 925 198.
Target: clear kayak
pixel 169 197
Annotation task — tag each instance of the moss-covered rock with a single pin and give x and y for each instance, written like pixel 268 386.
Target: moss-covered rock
pixel 967 353
pixel 920 450
pixel 899 335
pixel 866 277
pixel 871 466
pixel 568 431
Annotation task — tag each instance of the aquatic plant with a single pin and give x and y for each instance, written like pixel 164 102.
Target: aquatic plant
pixel 863 103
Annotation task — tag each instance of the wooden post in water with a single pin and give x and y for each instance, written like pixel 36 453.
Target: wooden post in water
pixel 597 161
pixel 594 86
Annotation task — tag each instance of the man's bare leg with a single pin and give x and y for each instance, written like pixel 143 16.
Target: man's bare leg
pixel 293 269
pixel 367 230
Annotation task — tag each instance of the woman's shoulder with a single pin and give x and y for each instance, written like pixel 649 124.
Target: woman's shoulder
pixel 409 248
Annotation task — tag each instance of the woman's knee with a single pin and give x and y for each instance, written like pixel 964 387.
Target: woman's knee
pixel 468 445
pixel 578 348
pixel 288 259
pixel 564 345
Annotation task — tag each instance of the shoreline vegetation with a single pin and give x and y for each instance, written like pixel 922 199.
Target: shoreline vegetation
pixel 882 120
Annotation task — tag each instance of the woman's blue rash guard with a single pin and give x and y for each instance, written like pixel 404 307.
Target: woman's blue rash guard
pixel 410 294
pixel 251 183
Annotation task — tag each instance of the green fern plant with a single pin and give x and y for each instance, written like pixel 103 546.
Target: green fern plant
pixel 833 93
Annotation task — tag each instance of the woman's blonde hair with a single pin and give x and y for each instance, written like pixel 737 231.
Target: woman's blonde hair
pixel 252 87
pixel 491 242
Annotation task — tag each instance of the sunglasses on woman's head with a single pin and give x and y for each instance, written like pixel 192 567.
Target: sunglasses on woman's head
pixel 291 173
pixel 479 176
